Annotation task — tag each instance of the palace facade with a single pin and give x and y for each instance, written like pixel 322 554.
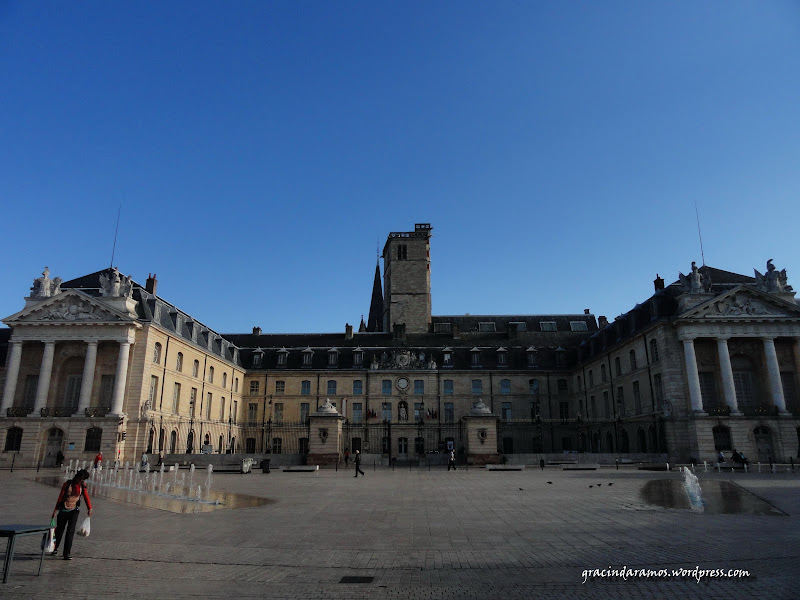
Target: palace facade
pixel 709 363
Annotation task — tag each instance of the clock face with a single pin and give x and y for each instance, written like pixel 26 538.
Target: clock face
pixel 402 383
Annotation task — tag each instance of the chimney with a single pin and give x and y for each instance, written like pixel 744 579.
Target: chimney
pixel 256 330
pixel 348 331
pixel 602 322
pixel 152 283
pixel 658 283
pixel 587 311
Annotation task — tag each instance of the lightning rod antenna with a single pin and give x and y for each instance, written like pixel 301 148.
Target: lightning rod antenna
pixel 697 215
pixel 116 230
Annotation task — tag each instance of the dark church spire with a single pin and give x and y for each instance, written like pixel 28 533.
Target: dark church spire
pixel 375 320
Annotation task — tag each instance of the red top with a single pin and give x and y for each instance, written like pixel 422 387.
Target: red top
pixel 68 498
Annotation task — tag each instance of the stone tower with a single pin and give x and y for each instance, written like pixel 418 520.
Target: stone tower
pixel 407 281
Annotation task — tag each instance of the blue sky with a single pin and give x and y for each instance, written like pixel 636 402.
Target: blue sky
pixel 261 151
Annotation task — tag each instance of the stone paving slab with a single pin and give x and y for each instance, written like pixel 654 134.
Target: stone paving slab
pixel 419 534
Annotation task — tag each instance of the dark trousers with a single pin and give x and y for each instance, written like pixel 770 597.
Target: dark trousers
pixel 358 469
pixel 66 520
pixel 451 463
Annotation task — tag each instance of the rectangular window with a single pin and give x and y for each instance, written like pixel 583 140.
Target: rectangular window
pixel 477 387
pixel 73 391
pixel 151 397
pixel 254 388
pixel 277 445
pixel 594 407
pixel 449 412
pixel 505 386
pixel 192 401
pixel 208 406
pixel 31 383
pixel 476 358
pixel 333 359
pixel 358 359
pixel 506 411
pixel 708 390
pixel 548 326
pixel 252 412
pixel 358 387
pixel 280 387
pixel 358 412
pixel 533 386
pixel 331 387
pixel 606 405
pixel 386 387
pixel 563 410
pixel 386 411
pixel 448 387
pixel 502 359
pixel 107 389
pixel 402 252
pixel 305 388
pixel 578 326
pixel 441 328
pixel 419 387
pixel 278 412
pixel 418 416
pixel 658 390
pixel 235 410
pixel 176 398
pixel 562 386
pixel 447 359
pixel 486 327
pixel 591 378
pixel 222 410
pixel 304 410
pixel 518 326
pixel 637 398
pixel 618 366
pixel 621 401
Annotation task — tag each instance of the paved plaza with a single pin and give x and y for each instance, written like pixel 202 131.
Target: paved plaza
pixel 418 534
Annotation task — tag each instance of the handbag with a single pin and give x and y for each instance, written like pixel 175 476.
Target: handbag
pixel 49 539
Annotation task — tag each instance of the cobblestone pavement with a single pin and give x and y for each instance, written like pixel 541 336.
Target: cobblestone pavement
pixel 419 534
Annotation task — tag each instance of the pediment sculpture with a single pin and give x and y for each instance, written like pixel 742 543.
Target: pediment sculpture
pixel 71 309
pixel 44 287
pixel 739 304
pixel 773 280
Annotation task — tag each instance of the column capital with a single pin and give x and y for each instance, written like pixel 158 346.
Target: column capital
pixel 687 337
pixel 768 338
pixel 723 338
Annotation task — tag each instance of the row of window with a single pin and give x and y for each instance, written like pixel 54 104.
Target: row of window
pixel 621 407
pixel 195 368
pixel 419 387
pixel 176 398
pixel 94 436
pixel 618 363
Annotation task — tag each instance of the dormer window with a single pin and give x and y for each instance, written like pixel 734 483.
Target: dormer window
pixel 486 327
pixel 358 357
pixel 533 357
pixel 561 357
pixel 475 357
pixel 548 326
pixel 308 353
pixel 502 357
pixel 283 355
pixel 333 357
pixel 258 357
pixel 447 357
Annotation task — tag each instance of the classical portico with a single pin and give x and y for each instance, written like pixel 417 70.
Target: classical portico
pixel 741 313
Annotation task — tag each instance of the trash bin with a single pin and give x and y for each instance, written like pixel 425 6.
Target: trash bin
pixel 265 465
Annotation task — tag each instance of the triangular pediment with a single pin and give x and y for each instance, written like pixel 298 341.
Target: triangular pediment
pixel 70 306
pixel 743 302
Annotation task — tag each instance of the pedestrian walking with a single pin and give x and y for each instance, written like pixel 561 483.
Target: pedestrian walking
pixel 98 459
pixel 67 510
pixel 59 458
pixel 160 458
pixel 452 461
pixel 358 463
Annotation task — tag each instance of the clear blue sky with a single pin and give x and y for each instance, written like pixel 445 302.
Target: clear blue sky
pixel 261 151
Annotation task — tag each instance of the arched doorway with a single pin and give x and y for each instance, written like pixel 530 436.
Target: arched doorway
pixel 609 443
pixel 150 439
pixel 763 439
pixel 53 445
pixel 173 442
pixel 624 442
pixel 220 448
pixel 161 439
pixel 190 443
pixel 653 439
pixel 641 440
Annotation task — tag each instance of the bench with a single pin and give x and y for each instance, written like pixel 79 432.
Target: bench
pixel 12 532
pixel 580 467
pixel 505 467
pixel 300 468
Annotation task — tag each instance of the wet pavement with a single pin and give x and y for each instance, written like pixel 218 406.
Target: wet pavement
pixel 718 497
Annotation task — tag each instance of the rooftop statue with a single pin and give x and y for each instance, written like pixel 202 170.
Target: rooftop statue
pixel 773 280
pixel 695 282
pixel 44 287
pixel 114 285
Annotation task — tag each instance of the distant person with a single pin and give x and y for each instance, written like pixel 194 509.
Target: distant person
pixel 358 463
pixel 541 464
pixel 67 510
pixel 452 461
pixel 346 456
pixel 720 457
pixel 98 459
pixel 59 458
pixel 160 457
pixel 144 459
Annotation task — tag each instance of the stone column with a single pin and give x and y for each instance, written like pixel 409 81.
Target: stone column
pixel 44 377
pixel 88 379
pixel 728 387
pixel 692 376
pixel 774 374
pixel 120 378
pixel 12 374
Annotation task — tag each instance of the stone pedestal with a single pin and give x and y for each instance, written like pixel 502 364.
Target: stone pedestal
pixel 325 436
pixel 481 432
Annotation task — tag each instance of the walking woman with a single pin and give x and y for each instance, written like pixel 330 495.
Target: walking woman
pixel 68 508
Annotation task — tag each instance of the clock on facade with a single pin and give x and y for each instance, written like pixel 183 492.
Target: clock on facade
pixel 402 384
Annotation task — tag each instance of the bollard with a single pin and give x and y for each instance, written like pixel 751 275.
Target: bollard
pixel 745 467
pixel 791 461
pixel 616 462
pixel 336 466
pixel 667 467
pixel 705 466
pixel 373 465
pixel 719 469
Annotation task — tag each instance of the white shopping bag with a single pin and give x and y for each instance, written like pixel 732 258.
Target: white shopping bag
pixel 84 528
pixel 49 540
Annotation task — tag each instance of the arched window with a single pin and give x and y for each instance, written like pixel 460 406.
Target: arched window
pixel 94 436
pixel 13 439
pixel 210 374
pixel 173 442
pixel 162 438
pixel 632 355
pixel 603 376
pixel 220 444
pixel 654 350
pixel 236 387
pixel 179 362
pixel 195 368
pixel 225 380
pixel 618 366
pixel 157 353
